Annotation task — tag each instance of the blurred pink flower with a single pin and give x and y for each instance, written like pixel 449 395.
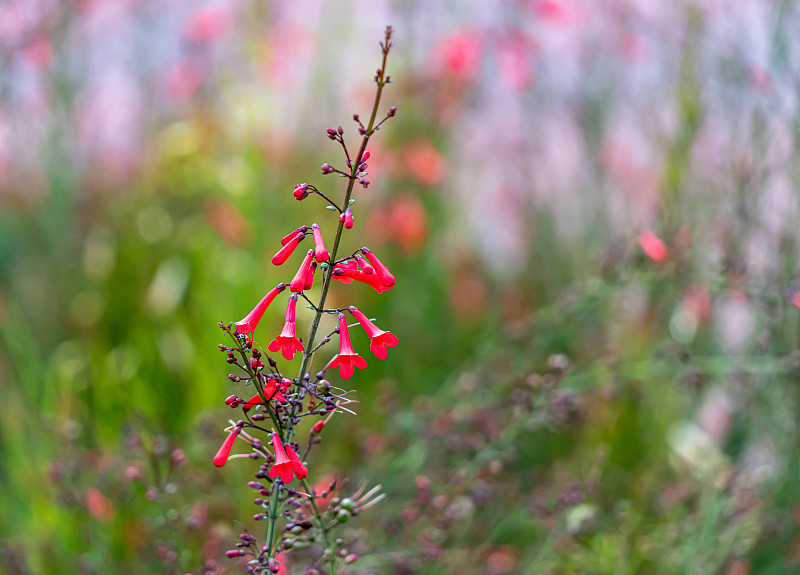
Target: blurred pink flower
pixel 99 506
pixel 514 57
pixel 556 11
pixel 207 24
pixel 458 55
pixel 424 162
pixel 652 246
pixel 184 79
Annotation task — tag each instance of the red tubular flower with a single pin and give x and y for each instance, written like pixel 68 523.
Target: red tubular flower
pixel 348 359
pixel 221 458
pixel 283 465
pixel 249 323
pixel 284 253
pixel 310 276
pixel 356 274
pixel 379 340
pixel 290 236
pixel 299 282
pixel 383 272
pixel 348 265
pixel 272 390
pixel 299 469
pixel 320 251
pixel 365 267
pixel 286 341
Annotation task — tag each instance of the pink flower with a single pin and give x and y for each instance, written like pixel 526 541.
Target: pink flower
pixel 221 458
pixel 652 246
pixel 320 251
pixel 299 281
pixel 347 266
pixel 383 272
pixel 348 359
pixel 299 469
pixel 286 341
pixel 283 254
pixel 349 273
pixel 379 340
pixel 249 323
pixel 271 389
pixel 347 218
pixel 287 462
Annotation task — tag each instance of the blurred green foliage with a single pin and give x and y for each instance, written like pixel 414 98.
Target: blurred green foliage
pixel 580 415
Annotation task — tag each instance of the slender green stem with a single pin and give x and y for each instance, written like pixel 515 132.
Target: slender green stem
pixel 273 517
pixel 322 526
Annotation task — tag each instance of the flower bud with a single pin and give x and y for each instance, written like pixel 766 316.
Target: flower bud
pixel 318 426
pixel 347 218
pixel 392 111
pixel 301 191
pixel 231 553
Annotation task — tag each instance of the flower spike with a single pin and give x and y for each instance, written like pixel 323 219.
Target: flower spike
pixel 348 359
pixel 221 458
pixel 379 340
pixel 250 321
pixel 299 281
pixel 383 272
pixel 320 251
pixel 286 341
pixel 284 253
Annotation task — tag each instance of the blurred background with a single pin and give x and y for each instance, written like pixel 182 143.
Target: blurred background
pixel 591 210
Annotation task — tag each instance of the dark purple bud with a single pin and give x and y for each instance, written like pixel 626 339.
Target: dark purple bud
pixel 355 118
pixel 331 133
pixel 340 130
pixel 392 111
